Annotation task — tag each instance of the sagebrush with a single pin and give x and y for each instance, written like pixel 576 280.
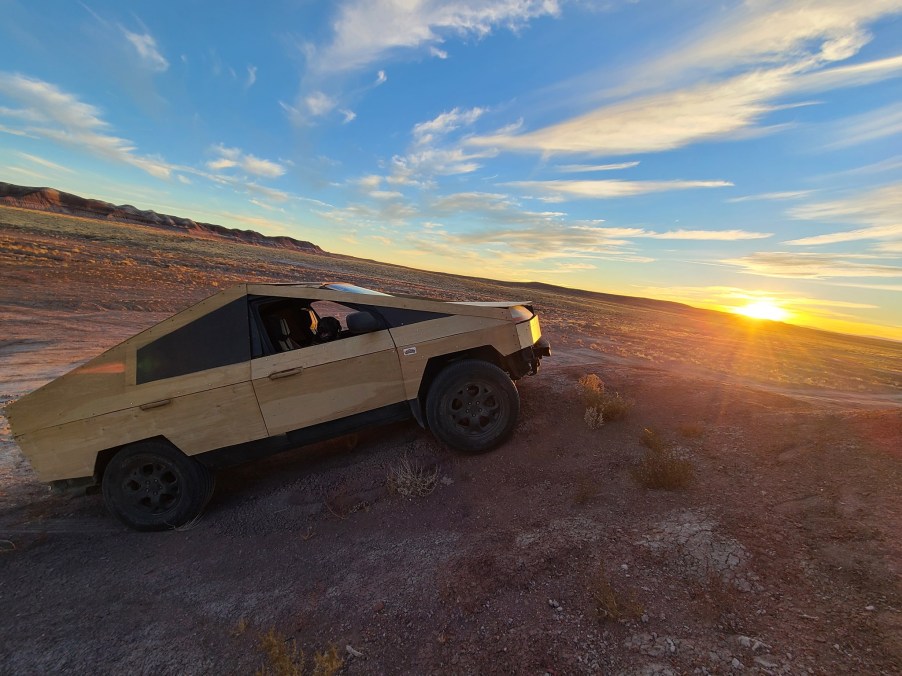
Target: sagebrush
pixel 601 406
pixel 410 479
pixel 663 467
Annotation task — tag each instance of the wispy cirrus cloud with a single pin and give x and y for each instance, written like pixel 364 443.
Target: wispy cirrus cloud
pixel 773 196
pixel 872 126
pixel 773 31
pixel 366 31
pixel 603 189
pixel 657 122
pixel 809 265
pixel 51 113
pixel 433 153
pixel 145 46
pixel 230 158
pixel 723 82
pixel 444 123
pixel 40 161
pixel 708 235
pixel 586 168
pixel 879 210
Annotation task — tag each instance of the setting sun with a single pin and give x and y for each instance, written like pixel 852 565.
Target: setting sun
pixel 763 309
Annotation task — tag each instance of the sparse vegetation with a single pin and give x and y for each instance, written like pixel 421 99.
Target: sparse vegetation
pixel 410 479
pixel 662 467
pixel 327 662
pixel 594 418
pixel 601 407
pixel 608 603
pixel 284 658
pixel 651 439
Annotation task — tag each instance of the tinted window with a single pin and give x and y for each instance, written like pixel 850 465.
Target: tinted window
pixel 399 317
pixel 219 338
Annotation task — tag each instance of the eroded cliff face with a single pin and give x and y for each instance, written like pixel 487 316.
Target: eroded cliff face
pixel 49 199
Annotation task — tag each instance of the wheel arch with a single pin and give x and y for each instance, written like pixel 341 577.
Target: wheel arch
pixel 105 456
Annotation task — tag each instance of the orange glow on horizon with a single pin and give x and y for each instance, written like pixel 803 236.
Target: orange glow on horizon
pixel 763 309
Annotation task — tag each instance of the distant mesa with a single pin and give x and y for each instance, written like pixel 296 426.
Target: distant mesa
pixel 48 199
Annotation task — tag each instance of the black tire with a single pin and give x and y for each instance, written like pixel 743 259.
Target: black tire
pixel 472 406
pixel 152 485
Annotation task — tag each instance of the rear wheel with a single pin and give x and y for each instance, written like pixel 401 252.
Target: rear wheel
pixel 472 406
pixel 152 485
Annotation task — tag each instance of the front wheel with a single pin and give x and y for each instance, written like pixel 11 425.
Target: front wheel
pixel 472 406
pixel 152 485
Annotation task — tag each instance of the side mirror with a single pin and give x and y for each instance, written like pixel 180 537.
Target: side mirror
pixel 363 322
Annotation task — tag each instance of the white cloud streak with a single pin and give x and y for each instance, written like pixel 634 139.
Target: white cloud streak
pixel 657 122
pixel 875 125
pixel 445 123
pixel 605 189
pixel 773 196
pixel 229 158
pixel 878 210
pixel 807 265
pixel 366 31
pixel 729 76
pixel 45 163
pixel 60 116
pixel 586 168
pixel 146 47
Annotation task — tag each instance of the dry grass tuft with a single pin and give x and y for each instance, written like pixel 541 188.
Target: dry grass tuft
pixel 651 439
pixel 662 467
pixel 601 407
pixel 609 604
pixel 594 418
pixel 327 662
pixel 283 657
pixel 411 479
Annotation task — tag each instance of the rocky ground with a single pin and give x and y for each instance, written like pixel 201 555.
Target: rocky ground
pixel 781 555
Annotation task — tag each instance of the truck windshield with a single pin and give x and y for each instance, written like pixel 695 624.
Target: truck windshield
pixel 352 288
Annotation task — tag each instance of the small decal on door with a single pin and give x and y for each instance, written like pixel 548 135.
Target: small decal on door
pixel 410 351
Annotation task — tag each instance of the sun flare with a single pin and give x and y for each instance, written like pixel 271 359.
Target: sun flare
pixel 763 309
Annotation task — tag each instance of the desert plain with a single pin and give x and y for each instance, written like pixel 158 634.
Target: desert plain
pixel 782 554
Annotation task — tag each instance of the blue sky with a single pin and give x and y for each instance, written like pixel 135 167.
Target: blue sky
pixel 716 154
